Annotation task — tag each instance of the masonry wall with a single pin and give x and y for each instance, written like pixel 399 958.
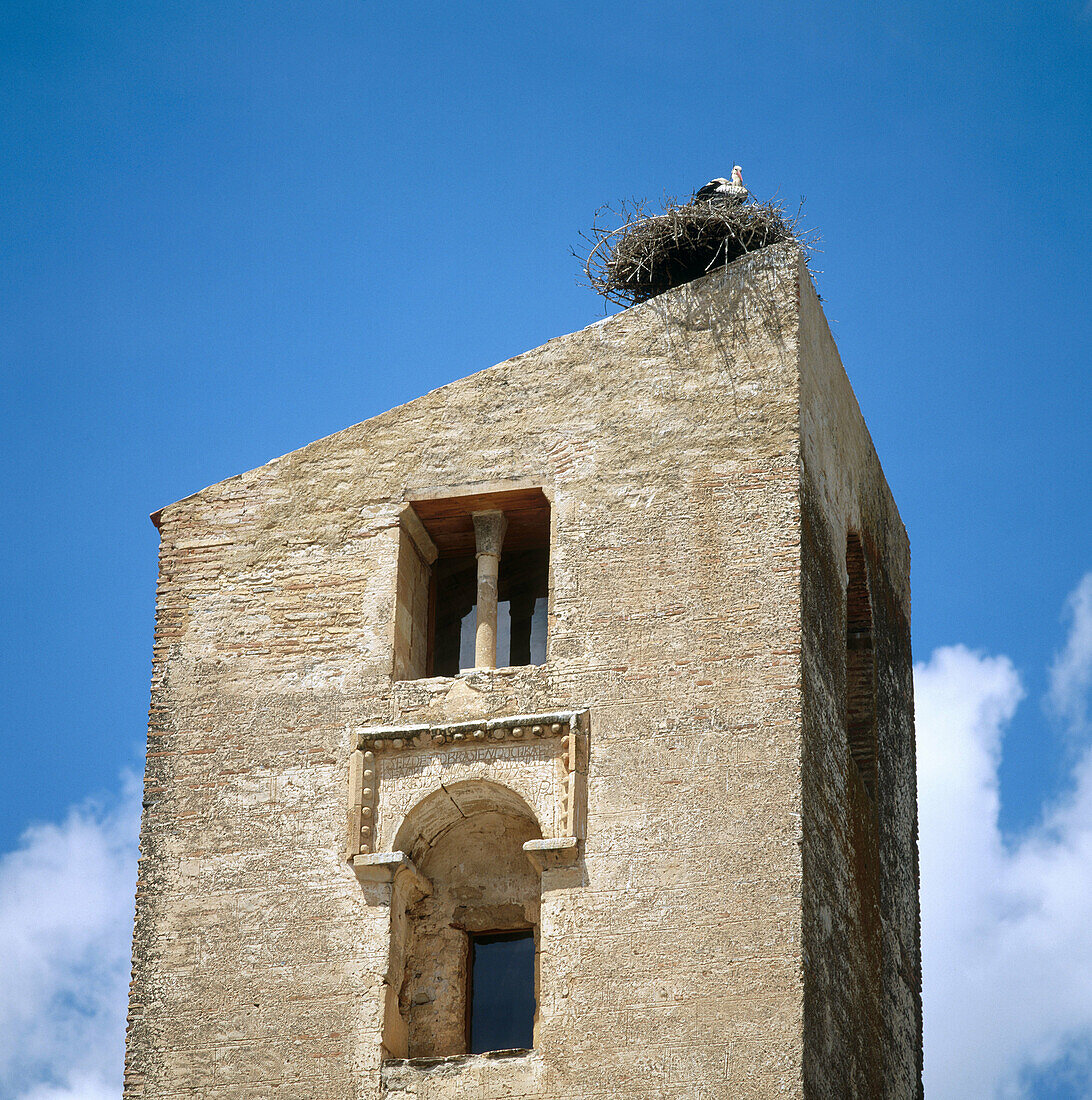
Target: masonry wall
pixel 673 954
pixel 863 977
pixel 410 645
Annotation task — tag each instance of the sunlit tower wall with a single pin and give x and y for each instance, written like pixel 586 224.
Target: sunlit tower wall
pixel 548 736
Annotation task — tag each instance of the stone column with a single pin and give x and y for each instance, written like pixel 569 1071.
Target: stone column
pixel 489 528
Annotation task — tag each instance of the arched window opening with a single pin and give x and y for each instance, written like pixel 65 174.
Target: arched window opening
pixel 468 951
pixel 860 668
pixel 864 955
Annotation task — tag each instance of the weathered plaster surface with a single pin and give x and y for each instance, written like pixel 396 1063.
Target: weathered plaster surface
pixel 702 459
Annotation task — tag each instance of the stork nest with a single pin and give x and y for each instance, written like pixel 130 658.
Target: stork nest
pixel 650 253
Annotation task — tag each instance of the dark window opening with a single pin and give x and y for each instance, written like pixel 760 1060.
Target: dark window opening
pixel 862 806
pixel 501 992
pixel 860 668
pixel 523 583
pixel 521 613
pixel 454 621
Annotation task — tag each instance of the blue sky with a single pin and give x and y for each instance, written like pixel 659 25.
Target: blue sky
pixel 232 228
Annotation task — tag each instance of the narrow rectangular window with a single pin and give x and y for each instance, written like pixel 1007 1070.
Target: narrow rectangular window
pixel 501 993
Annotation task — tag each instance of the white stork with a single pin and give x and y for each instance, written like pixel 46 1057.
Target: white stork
pixel 722 190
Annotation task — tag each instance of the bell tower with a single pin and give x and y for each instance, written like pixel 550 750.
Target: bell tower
pixel 550 736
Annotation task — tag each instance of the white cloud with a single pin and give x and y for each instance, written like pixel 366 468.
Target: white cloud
pixel 80 1086
pixel 1007 930
pixel 66 913
pixel 1071 672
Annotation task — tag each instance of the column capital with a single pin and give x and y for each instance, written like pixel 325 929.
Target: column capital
pixel 489 529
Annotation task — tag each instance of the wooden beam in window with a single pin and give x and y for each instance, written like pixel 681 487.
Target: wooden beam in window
pixel 450 527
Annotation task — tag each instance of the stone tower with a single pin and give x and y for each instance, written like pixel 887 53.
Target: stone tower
pixel 550 736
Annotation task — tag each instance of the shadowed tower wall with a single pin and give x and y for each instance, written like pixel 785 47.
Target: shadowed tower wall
pixel 700 804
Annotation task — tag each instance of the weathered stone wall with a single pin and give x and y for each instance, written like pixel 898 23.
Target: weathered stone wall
pixel 410 659
pixel 863 988
pixel 673 956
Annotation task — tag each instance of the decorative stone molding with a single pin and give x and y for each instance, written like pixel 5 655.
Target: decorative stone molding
pixel 387 866
pixel 547 854
pixel 541 758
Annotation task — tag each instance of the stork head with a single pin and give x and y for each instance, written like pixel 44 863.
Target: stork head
pixel 737 175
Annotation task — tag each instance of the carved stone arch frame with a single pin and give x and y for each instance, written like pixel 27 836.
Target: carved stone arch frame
pixel 533 766
pixel 541 757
